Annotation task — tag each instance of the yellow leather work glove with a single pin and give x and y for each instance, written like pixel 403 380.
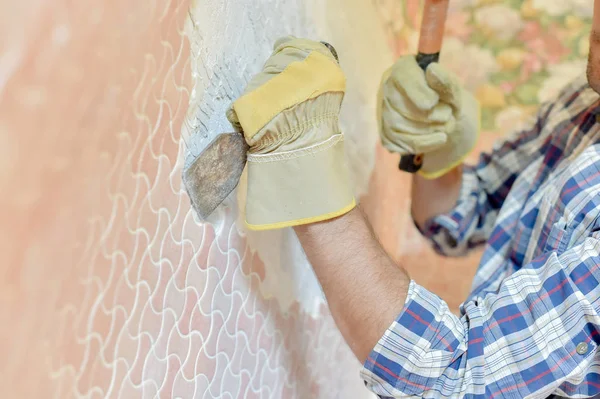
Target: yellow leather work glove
pixel 297 172
pixel 427 113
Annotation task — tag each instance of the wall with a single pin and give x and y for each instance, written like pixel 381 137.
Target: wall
pixel 110 285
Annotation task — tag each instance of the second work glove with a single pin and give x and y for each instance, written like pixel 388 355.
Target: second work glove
pixel 297 172
pixel 427 113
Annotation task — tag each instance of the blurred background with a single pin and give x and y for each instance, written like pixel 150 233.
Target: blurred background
pixel 110 286
pixel 513 55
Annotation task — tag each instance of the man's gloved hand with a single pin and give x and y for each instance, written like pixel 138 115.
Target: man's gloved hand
pixel 297 172
pixel 427 113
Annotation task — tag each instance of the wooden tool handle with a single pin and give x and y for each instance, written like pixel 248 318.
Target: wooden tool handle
pixel 430 44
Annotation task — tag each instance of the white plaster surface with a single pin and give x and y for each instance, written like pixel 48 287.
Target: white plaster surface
pixel 230 42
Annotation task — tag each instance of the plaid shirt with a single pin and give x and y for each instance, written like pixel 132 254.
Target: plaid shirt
pixel 531 325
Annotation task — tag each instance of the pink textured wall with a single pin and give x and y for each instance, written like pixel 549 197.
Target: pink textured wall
pixel 90 99
pixel 110 287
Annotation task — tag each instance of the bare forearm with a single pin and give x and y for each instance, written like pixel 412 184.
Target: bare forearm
pixel 365 289
pixel 435 197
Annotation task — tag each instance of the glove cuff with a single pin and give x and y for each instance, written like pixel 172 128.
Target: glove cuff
pixel 298 187
pixel 304 125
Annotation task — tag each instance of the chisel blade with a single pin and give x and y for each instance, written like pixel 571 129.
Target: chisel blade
pixel 216 172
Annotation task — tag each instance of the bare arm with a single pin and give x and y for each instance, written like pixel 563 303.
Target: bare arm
pixel 365 289
pixel 431 198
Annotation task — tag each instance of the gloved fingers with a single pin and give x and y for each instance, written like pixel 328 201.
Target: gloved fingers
pixel 282 41
pixel 397 102
pixel 441 113
pixel 445 84
pixel 300 44
pixel 408 143
pixel 408 77
pixel 287 50
pixel 299 70
pixel 394 124
pixel 394 129
pixel 233 119
pixel 426 144
pixel 398 121
pixel 279 60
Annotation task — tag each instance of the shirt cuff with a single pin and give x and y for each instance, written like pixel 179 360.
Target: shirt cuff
pixel 416 349
pixel 450 232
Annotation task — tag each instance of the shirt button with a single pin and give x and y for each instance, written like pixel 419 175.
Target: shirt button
pixel 452 242
pixel 582 348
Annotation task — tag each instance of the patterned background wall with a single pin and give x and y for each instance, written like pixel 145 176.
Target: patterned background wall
pixel 110 285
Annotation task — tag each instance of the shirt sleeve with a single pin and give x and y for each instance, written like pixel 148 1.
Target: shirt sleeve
pixel 536 336
pixel 484 189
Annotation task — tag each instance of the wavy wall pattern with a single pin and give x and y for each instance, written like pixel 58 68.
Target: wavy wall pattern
pixel 110 285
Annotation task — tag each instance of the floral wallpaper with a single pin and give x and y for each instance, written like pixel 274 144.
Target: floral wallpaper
pixel 512 54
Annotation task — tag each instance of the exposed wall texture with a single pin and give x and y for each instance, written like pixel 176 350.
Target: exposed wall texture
pixel 110 285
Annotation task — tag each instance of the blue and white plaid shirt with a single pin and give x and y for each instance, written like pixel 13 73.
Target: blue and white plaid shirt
pixel 531 325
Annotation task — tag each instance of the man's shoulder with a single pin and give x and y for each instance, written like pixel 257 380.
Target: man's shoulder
pixel 575 97
pixel 572 112
pixel 571 126
pixel 577 85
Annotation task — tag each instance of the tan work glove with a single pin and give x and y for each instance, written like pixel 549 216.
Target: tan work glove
pixel 297 172
pixel 427 113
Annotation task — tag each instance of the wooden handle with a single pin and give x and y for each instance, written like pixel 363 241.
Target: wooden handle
pixel 432 26
pixel 430 44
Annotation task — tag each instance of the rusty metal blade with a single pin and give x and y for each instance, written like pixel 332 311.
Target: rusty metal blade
pixel 216 172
